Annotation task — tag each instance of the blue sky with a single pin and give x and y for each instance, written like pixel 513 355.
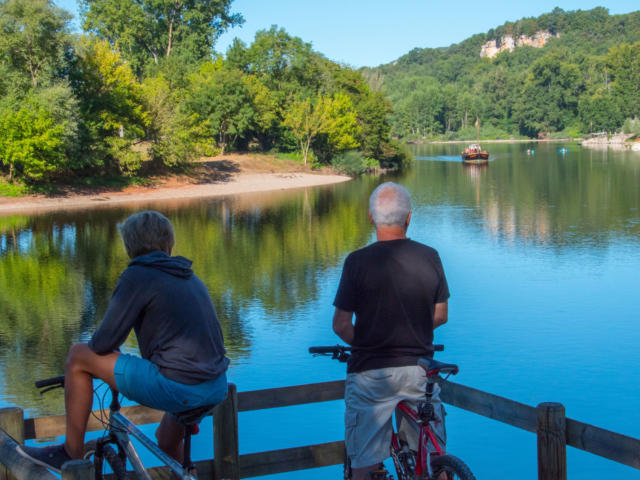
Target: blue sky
pixel 371 32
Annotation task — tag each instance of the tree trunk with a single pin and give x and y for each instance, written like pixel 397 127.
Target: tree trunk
pixel 170 37
pixel 305 150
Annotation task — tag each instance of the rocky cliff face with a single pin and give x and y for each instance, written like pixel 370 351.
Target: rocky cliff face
pixel 509 42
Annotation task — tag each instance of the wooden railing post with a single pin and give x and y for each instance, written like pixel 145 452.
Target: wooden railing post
pixel 225 437
pixel 78 470
pixel 552 442
pixel 12 422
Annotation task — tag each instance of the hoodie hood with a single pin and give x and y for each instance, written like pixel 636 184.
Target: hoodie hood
pixel 176 266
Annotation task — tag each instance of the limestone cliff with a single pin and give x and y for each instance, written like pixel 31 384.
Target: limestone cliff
pixel 509 42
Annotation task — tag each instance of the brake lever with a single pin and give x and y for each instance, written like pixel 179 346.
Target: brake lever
pixel 42 392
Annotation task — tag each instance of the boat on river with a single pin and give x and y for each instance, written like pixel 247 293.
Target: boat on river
pixel 474 154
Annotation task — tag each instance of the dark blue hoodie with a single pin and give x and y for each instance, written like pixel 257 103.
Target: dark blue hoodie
pixel 172 314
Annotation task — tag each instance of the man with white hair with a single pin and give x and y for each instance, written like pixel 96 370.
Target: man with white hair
pixel 398 291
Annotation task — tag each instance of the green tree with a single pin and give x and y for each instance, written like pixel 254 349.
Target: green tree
pixel 149 30
pixel 32 140
pixel 35 36
pixel 600 111
pixel 223 99
pixel 624 63
pixel 342 126
pixel 307 118
pixel 112 107
pixel 549 98
pixel 281 61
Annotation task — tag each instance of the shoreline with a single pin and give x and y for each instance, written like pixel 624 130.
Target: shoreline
pixel 238 184
pixel 515 140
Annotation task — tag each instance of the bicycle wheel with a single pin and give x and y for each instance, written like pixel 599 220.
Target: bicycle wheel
pixel 448 467
pixel 108 454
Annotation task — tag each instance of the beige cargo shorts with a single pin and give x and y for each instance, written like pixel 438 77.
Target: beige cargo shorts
pixel 371 397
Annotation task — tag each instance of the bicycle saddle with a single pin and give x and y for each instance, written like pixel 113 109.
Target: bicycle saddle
pixel 189 417
pixel 433 367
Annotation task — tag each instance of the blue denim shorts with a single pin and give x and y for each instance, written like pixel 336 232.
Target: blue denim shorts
pixel 141 381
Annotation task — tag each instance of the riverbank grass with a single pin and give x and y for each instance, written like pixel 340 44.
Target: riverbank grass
pixel 12 189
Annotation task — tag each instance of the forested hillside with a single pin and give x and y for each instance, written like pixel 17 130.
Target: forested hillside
pixel 142 89
pixel 585 79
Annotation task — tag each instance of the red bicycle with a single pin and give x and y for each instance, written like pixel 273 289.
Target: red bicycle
pixel 424 460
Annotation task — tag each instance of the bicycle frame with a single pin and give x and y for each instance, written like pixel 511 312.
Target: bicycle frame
pixel 121 428
pixel 423 459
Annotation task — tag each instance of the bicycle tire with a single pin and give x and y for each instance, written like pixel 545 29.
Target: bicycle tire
pixel 455 468
pixel 111 457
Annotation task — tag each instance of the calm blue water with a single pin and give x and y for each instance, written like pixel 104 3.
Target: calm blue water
pixel 542 256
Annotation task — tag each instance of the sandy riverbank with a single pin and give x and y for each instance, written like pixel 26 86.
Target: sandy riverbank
pixel 218 177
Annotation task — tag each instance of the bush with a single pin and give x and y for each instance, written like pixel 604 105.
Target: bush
pixel 396 156
pixel 631 125
pixel 12 189
pixel 350 163
pixel 487 132
pixel 33 143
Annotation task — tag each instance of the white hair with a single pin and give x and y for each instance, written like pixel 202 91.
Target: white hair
pixel 390 204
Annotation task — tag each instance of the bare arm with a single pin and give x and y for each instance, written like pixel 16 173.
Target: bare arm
pixel 343 325
pixel 441 314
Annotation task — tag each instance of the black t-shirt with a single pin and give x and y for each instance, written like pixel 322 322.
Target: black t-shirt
pixel 392 287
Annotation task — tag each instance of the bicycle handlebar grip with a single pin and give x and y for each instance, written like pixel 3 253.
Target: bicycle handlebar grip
pixel 50 381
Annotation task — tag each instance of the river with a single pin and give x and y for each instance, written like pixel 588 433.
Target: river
pixel 542 254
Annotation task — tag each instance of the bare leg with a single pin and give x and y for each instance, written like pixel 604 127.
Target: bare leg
pixel 82 366
pixel 170 436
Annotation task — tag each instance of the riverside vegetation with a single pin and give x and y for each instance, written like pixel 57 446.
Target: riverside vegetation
pixel 586 78
pixel 146 92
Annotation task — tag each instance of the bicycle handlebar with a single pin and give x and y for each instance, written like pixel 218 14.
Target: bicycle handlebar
pixel 343 352
pixel 344 348
pixel 329 350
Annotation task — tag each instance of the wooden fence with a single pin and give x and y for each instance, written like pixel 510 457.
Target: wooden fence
pixel 547 420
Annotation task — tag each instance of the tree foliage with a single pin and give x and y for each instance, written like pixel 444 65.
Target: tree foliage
pixel 112 107
pixel 143 89
pixel 34 37
pixel 149 30
pixel 32 141
pixel 572 83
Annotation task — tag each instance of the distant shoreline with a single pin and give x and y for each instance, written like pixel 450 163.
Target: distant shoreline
pixel 515 140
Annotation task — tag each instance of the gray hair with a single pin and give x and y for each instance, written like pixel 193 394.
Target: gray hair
pixel 390 204
pixel 146 232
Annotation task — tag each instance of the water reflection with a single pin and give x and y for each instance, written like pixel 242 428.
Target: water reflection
pixel 583 196
pixel 57 270
pixel 272 253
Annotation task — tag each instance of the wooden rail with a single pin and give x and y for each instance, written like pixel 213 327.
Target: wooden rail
pixel 547 420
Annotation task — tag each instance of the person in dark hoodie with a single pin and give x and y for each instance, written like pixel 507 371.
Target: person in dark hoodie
pixel 183 364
